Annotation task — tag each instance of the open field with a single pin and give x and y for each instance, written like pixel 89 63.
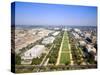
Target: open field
pixel 65 54
pixel 65 58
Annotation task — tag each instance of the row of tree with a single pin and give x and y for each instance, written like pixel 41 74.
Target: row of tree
pixel 37 61
pixel 53 55
pixel 76 55
pixel 51 68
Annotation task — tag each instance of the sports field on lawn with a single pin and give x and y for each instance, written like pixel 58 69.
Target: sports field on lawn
pixel 65 54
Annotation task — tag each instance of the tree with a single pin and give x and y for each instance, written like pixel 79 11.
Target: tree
pixel 67 63
pixel 17 59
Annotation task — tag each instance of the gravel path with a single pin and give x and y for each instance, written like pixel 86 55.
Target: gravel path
pixel 58 59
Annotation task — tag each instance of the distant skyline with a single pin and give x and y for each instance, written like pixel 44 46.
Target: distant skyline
pixel 27 13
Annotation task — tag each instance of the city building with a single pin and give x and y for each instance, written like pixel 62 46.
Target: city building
pixel 90 48
pixel 77 30
pixel 94 39
pixel 87 35
pixel 56 33
pixel 48 40
pixel 34 52
pixel 82 43
pixel 76 35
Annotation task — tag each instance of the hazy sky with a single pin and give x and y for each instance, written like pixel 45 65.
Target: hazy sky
pixel 51 14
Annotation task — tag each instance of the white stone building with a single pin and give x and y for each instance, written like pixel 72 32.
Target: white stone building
pixel 34 52
pixel 82 43
pixel 90 48
pixel 56 33
pixel 48 40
